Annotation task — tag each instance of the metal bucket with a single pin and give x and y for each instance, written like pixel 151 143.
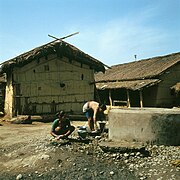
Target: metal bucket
pixel 82 132
pixel 102 126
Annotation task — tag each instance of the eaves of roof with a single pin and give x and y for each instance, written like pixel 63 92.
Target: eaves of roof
pixel 131 85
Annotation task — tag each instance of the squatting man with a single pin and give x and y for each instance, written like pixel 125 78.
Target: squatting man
pixel 61 127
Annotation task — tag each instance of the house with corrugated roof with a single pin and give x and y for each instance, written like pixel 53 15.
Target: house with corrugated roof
pixel 55 76
pixel 149 82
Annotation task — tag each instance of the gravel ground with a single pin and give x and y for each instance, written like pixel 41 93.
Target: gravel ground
pixel 26 152
pixel 163 162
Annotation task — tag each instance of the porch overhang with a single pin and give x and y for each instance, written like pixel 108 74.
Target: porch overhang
pixel 130 84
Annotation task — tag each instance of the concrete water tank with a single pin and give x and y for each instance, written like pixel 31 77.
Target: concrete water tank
pixel 147 125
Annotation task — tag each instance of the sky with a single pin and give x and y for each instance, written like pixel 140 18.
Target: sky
pixel 112 31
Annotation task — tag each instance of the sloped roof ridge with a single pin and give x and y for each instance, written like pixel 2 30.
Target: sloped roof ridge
pixel 146 68
pixel 52 43
pixel 146 59
pixel 51 47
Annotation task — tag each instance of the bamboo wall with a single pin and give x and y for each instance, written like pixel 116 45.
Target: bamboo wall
pixel 51 84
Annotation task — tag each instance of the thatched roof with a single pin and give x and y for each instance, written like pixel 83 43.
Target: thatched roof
pixel 136 75
pixel 176 87
pixel 142 69
pixel 62 48
pixel 132 85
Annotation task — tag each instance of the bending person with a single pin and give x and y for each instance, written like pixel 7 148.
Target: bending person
pixel 91 110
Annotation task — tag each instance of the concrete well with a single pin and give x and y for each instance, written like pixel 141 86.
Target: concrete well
pixel 148 125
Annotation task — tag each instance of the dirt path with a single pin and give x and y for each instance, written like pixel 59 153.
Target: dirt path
pixel 26 152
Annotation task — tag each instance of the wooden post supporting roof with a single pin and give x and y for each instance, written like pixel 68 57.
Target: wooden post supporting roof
pixel 110 99
pixel 128 99
pixel 141 99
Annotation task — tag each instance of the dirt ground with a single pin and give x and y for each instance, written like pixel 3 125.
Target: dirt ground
pixel 27 152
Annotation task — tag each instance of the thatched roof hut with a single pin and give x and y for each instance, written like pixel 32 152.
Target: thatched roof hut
pixel 55 76
pixel 141 75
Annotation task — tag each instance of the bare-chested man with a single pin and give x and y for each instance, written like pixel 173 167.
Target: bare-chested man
pixel 91 109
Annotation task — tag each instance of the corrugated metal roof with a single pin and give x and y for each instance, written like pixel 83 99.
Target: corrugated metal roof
pixel 132 85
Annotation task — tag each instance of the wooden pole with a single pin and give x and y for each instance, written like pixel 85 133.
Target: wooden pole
pixel 128 99
pixel 141 99
pixel 64 36
pixel 110 99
